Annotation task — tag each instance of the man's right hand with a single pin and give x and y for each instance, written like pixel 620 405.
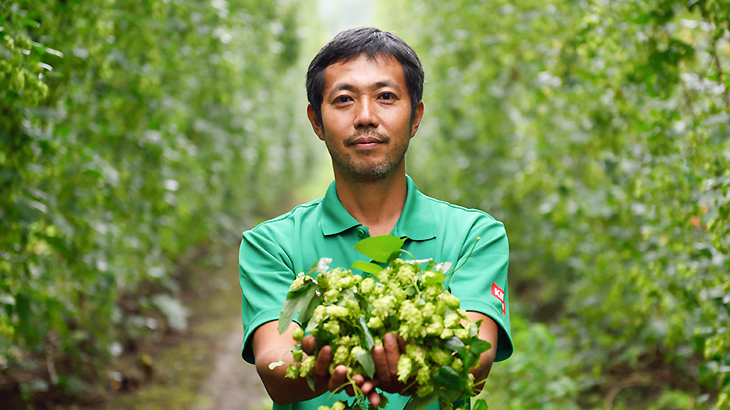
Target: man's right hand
pixel 386 364
pixel 338 379
pixel 269 346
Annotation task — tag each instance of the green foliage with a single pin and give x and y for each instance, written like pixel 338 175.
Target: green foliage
pixel 130 132
pixel 540 377
pixel 352 313
pixel 598 132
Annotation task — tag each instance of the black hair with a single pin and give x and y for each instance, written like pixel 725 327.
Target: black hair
pixel 348 45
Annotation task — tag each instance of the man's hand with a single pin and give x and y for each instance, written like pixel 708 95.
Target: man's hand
pixel 386 358
pixel 386 364
pixel 338 379
pixel 269 346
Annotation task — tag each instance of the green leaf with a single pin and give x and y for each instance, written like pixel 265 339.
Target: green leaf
pixel 30 22
pixel 30 210
pixel 308 308
pixel 93 173
pixel 306 287
pixel 448 378
pixel 369 341
pixel 311 326
pixel 297 302
pixel 287 315
pixel 38 48
pixel 420 403
pixel 480 404
pixel 456 345
pixel 367 267
pixel 366 360
pixel 479 346
pixel 434 278
pixel 382 249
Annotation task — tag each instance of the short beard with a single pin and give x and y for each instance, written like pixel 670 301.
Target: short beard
pixel 369 173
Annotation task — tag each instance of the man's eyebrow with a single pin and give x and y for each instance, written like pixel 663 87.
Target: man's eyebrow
pixel 375 86
pixel 344 87
pixel 386 83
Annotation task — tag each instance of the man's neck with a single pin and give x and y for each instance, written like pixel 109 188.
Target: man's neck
pixel 377 204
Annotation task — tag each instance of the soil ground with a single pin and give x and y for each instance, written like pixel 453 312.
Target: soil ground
pixel 201 367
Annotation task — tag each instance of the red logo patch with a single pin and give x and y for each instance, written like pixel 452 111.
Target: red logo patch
pixel 499 294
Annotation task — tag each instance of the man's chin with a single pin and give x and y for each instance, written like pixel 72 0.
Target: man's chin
pixel 372 174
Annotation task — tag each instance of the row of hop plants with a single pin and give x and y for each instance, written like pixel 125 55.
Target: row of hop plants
pixel 599 133
pixel 130 133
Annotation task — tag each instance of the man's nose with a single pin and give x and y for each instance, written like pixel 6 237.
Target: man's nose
pixel 366 114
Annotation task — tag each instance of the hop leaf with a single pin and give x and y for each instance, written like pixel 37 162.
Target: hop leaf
pixel 382 249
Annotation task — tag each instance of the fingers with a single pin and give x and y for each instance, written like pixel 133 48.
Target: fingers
pixel 374 398
pixel 339 379
pixel 366 386
pixel 392 354
pixel 386 364
pixel 381 366
pixel 356 380
pixel 402 343
pixel 321 366
pixel 309 344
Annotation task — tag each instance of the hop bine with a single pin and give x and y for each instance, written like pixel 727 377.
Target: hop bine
pixel 352 314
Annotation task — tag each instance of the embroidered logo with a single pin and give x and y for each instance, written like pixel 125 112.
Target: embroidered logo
pixel 499 294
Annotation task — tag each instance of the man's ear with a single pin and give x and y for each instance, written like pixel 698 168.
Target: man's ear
pixel 316 126
pixel 417 118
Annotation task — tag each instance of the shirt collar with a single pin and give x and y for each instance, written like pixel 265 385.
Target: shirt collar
pixel 335 219
pixel 416 221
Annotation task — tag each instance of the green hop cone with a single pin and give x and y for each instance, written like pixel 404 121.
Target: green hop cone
pixel 404 368
pixel 298 334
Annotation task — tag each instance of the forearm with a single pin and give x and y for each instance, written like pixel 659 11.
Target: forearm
pixel 281 389
pixel 488 332
pixel 270 347
pixel 482 371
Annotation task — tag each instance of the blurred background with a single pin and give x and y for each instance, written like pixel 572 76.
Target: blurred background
pixel 139 138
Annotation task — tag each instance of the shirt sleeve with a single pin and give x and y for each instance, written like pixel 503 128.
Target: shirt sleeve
pixel 265 274
pixel 481 282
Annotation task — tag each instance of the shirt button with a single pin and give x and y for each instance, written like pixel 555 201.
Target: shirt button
pixel 360 233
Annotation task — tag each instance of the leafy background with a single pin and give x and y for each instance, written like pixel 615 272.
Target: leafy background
pixel 138 135
pixel 598 132
pixel 134 134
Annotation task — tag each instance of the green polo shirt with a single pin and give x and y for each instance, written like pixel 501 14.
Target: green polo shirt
pixel 273 253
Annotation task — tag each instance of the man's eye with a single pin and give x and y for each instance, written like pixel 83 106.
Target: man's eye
pixel 387 96
pixel 342 99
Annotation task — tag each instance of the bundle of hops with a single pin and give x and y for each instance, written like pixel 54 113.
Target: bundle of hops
pixel 352 313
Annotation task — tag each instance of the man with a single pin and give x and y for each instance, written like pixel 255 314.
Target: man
pixel 364 90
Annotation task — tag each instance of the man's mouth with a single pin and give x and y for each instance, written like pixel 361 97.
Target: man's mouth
pixel 366 140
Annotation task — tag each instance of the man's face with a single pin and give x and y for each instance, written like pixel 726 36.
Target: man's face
pixel 366 112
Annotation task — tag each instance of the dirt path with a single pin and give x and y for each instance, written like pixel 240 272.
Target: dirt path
pixel 201 367
pixel 233 384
